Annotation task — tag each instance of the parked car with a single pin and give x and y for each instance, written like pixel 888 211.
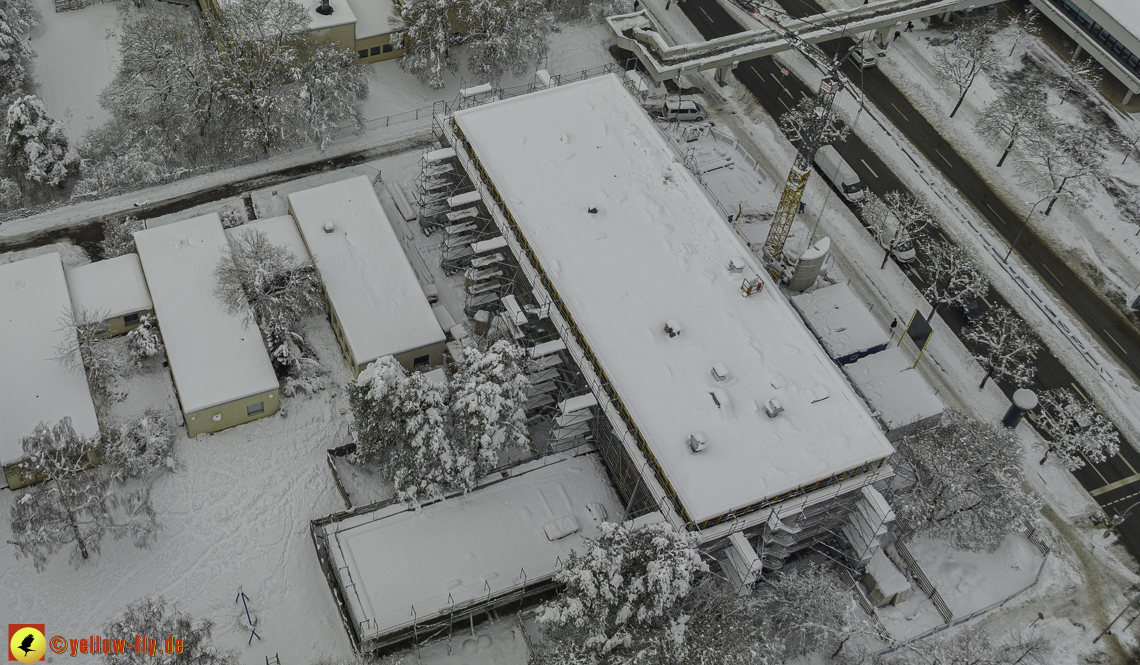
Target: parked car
pixel 863 57
pixel 685 109
pixel 972 310
pixel 839 173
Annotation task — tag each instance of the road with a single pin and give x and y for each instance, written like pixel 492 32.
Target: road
pixel 1115 483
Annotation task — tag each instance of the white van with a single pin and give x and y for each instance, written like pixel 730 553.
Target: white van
pixel 840 174
pixel 863 56
pixel 686 109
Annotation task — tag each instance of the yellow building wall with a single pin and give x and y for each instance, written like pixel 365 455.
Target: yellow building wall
pixel 16 480
pixel 117 326
pixel 373 49
pixel 342 35
pixel 231 414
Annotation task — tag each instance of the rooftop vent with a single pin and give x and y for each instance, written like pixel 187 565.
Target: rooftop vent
pixel 719 372
pixel 592 210
pixel 329 226
pixel 773 408
pixel 698 442
pixel 672 328
pixel 325 9
pixel 736 264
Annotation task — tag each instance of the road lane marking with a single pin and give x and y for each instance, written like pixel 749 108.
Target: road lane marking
pixel 1123 498
pixel 989 206
pixel 804 94
pixel 1116 343
pixel 944 158
pixel 869 168
pixel 1074 384
pixel 1093 467
pixel 1056 278
pixel 988 305
pixel 784 103
pixel 917 276
pixel 943 237
pixel 706 15
pixel 900 112
pixel 1115 486
pixel 1122 459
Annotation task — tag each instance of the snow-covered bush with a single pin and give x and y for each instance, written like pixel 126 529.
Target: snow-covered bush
pixel 488 407
pixel 76 506
pixel 139 446
pixel 153 616
pixel 305 377
pixel 10 194
pixel 231 217
pixel 401 429
pixel 111 166
pixel 961 481
pixel 145 341
pixel 624 591
pixel 972 646
pixel 36 146
pixel 1077 430
pixel 1006 346
pixel 119 236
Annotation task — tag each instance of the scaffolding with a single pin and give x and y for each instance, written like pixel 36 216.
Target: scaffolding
pixel 439 179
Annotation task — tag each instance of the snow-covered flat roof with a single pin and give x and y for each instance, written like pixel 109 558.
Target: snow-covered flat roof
pixel 841 320
pixel 894 388
pixel 468 546
pixel 1126 13
pixel 369 280
pixel 281 231
pixel 658 250
pixel 34 386
pixel 342 13
pixel 112 287
pixel 372 17
pixel 215 358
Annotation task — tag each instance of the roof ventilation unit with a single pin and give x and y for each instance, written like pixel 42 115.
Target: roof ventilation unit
pixel 719 372
pixel 773 408
pixel 698 442
pixel 329 226
pixel 325 9
pixel 672 328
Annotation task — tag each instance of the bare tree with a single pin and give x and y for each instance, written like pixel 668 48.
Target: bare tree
pixel 897 219
pixel 953 277
pixel 1062 160
pixel 75 505
pixel 155 617
pixel 1127 140
pixel 1007 346
pixel 1077 75
pixel 962 60
pixel 119 236
pixel 801 119
pixel 85 349
pixel 972 646
pixel 1078 432
pixel 1017 110
pixel 960 481
pixel 1023 25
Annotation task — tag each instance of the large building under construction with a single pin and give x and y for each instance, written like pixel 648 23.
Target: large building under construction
pixel 715 405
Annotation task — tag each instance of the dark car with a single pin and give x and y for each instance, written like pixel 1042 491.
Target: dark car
pixel 972 310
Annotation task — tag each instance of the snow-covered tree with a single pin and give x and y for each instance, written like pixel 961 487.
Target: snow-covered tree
pixel 971 645
pixel 268 285
pixel 1078 431
pixel 808 609
pixel 960 481
pixel 1006 346
pixel 424 28
pixel 85 350
pixel 10 194
pixel 36 146
pixel 1077 75
pixel 401 429
pixel 488 406
pixel 952 276
pixel 119 236
pixel 75 505
pixel 1127 139
pixel 505 36
pixel 896 219
pixel 145 341
pixel 139 446
pixel 17 17
pixel 961 61
pixel 153 616
pixel 568 11
pixel 1062 160
pixel 804 119
pixel 1017 110
pixel 1022 25
pixel 623 593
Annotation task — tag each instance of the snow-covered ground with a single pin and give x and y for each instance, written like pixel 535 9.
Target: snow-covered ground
pixel 77 54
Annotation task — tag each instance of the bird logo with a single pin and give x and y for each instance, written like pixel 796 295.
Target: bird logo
pixel 26 643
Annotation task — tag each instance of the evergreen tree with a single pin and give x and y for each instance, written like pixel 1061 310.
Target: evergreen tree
pixel 506 36
pixel 423 27
pixel 36 145
pixel 74 505
pixel 489 397
pixel 17 17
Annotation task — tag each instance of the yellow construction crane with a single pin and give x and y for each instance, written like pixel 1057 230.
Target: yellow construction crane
pixel 797 180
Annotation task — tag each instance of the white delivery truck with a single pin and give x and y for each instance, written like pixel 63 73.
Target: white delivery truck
pixel 840 174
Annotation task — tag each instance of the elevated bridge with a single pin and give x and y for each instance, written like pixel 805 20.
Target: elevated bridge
pixel 639 33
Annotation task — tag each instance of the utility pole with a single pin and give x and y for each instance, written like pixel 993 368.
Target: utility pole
pixel 1104 632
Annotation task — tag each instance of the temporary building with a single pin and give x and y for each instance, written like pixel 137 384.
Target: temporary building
pixel 115 289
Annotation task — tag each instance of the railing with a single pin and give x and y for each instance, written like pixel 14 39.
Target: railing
pixel 923 582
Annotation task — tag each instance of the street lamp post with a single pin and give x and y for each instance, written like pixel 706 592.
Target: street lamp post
pixel 1022 229
pixel 1118 519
